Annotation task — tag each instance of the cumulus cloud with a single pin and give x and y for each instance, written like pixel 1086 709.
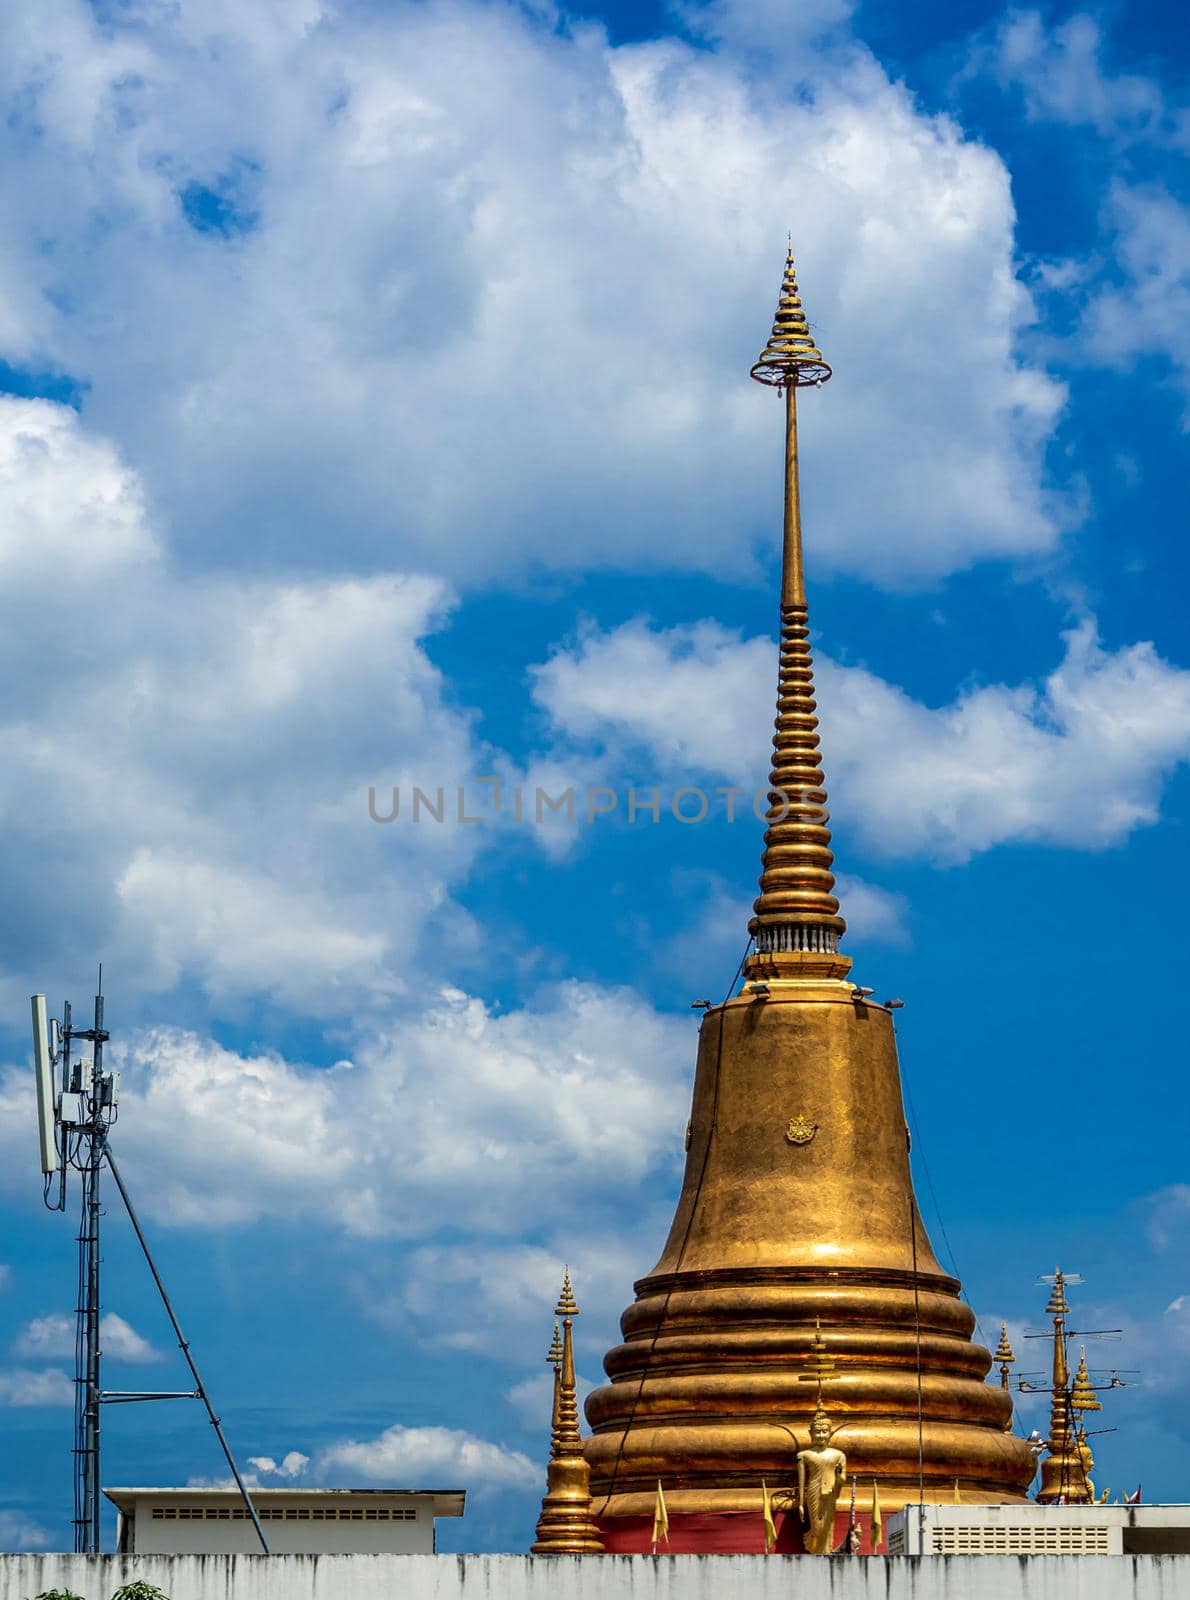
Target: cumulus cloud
pixel 517 1281
pixel 1064 78
pixel 460 1111
pixel 1078 760
pixel 26 1387
pixel 44 1338
pixel 232 729
pixel 444 1457
pixel 69 509
pixel 121 1342
pixel 292 1465
pixel 1148 313
pixel 444 287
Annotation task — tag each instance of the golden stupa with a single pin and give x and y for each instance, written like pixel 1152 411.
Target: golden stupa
pixel 797 1209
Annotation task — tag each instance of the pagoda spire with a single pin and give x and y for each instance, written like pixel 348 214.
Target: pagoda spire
pixel 1063 1472
pixel 796 925
pixel 566 1526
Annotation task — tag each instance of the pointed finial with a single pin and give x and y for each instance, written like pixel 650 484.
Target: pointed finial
pixel 1004 1355
pixel 566 1306
pixel 791 358
pixel 554 1356
pixel 1058 1306
pixel 567 1524
pixel 796 925
pixel 1082 1393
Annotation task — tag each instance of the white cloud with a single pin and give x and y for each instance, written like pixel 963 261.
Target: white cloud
pixel 292 1465
pixel 517 1282
pixel 494 289
pixel 1078 760
pixel 20 1532
pixel 874 915
pixel 445 1458
pixel 1062 74
pixel 44 1338
pixel 121 1342
pixel 69 509
pixel 458 1112
pixel 25 1387
pixel 1149 313
pixel 234 728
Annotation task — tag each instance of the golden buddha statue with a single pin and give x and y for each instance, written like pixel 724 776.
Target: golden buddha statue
pixel 820 1473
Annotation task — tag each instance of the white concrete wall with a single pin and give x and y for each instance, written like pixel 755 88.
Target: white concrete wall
pixel 606 1577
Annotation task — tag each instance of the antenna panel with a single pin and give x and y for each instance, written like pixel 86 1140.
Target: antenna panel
pixel 45 1086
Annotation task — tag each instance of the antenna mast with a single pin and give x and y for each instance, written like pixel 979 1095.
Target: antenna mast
pixel 77 1105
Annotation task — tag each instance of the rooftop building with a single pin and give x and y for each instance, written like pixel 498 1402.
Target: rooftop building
pixel 295 1521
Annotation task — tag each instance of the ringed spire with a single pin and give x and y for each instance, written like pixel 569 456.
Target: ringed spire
pixel 796 925
pixel 791 356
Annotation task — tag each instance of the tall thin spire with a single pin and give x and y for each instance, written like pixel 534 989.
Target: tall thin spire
pixel 1004 1355
pixel 1063 1472
pixel 566 1525
pixel 797 925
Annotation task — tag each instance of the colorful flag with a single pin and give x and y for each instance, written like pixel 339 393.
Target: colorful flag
pixel 660 1520
pixel 1133 1499
pixel 770 1527
pixel 877 1524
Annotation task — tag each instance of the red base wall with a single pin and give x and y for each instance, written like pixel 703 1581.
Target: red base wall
pixel 726 1533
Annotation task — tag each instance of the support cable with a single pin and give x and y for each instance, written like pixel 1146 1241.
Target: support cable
pixel 184 1347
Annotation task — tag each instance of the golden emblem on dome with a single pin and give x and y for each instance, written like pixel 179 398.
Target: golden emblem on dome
pixel 800 1130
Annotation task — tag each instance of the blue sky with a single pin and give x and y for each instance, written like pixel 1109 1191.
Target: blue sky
pixel 374 411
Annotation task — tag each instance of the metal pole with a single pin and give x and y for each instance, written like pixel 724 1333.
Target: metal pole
pixel 95 1162
pixel 87 1366
pixel 91 1458
pixel 184 1346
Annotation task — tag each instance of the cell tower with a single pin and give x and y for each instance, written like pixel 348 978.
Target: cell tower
pixel 77 1106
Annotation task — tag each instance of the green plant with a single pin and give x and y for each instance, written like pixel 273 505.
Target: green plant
pixel 140 1590
pixel 58 1594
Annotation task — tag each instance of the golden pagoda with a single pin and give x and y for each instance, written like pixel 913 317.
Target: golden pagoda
pixel 797 1212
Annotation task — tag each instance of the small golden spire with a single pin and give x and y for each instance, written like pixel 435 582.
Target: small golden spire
pixel 554 1354
pixel 1082 1393
pixel 1058 1306
pixel 797 925
pixel 791 356
pixel 1005 1356
pixel 566 1526
pixel 566 1306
